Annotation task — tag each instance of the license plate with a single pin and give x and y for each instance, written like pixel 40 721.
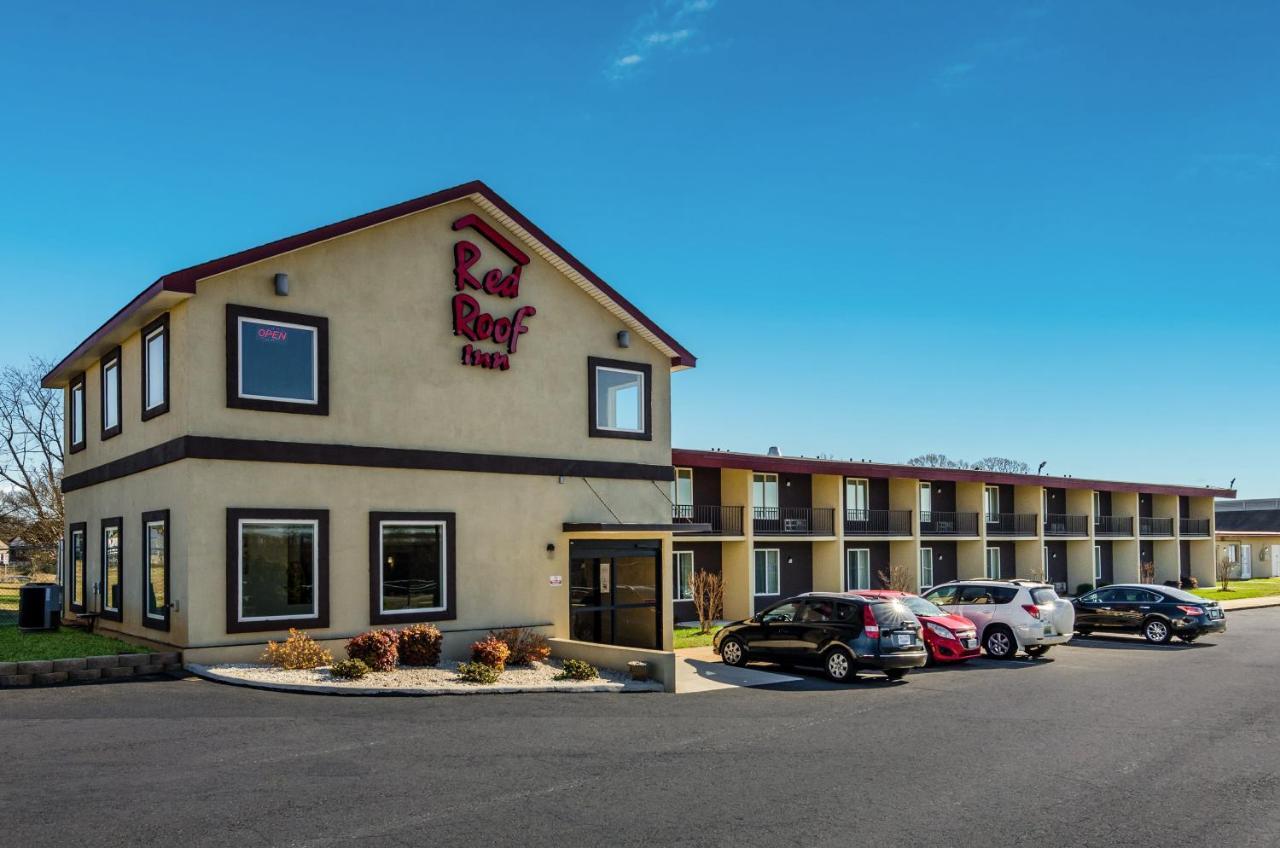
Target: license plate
pixel 1215 613
pixel 971 643
pixel 1049 631
pixel 903 638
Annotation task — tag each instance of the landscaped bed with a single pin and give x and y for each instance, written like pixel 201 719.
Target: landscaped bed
pixel 1261 587
pixel 420 680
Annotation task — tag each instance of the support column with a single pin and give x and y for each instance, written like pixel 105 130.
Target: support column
pixel 828 555
pixel 737 559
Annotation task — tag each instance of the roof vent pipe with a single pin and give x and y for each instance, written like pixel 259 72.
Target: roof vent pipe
pixel 773 451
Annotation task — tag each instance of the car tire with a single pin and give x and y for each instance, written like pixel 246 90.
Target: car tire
pixel 733 652
pixel 895 673
pixel 838 665
pixel 1157 631
pixel 999 643
pixel 1038 650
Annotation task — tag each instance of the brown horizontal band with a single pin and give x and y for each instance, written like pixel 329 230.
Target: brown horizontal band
pixel 357 456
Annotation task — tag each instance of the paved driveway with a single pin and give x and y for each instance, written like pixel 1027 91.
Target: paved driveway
pixel 1112 743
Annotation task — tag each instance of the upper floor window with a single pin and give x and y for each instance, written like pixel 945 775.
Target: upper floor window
pixel 991 503
pixel 926 501
pixel 856 491
pixel 155 368
pixel 75 416
pixel 277 361
pixel 620 399
pixel 764 491
pixel 682 487
pixel 111 394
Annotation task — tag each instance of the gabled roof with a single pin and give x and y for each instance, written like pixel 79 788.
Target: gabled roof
pixel 178 285
pixel 805 465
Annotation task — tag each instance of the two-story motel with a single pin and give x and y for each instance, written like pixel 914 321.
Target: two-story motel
pixel 434 412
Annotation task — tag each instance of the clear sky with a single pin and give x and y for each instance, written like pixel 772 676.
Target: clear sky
pixel 1049 231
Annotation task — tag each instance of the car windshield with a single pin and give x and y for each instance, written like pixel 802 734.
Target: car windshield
pixel 920 606
pixel 1043 595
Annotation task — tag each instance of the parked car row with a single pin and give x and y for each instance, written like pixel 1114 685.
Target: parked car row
pixel 894 632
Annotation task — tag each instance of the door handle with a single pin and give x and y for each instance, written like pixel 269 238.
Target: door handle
pixel 1144 607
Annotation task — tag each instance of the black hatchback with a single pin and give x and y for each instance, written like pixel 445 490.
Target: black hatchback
pixel 1157 612
pixel 842 633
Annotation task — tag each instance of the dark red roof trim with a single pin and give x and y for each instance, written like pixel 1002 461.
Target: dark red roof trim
pixel 802 465
pixel 186 279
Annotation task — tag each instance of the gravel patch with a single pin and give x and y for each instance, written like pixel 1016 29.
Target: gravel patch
pixel 410 680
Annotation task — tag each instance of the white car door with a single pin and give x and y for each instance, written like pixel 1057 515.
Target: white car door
pixel 977 604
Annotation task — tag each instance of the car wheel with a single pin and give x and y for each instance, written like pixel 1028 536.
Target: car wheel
pixel 895 673
pixel 839 665
pixel 733 652
pixel 999 643
pixel 1156 631
pixel 1038 650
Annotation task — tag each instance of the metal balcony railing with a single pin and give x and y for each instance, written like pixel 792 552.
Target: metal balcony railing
pixel 948 523
pixel 1066 525
pixel 877 522
pixel 724 520
pixel 1155 526
pixel 794 521
pixel 1113 525
pixel 1011 524
pixel 1194 527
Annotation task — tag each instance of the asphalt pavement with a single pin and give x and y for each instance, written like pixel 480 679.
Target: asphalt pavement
pixel 1107 742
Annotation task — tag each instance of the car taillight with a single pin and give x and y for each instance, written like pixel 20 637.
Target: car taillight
pixel 869 623
pixel 1032 610
pixel 1189 610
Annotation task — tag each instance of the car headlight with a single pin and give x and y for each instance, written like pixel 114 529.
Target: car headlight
pixel 939 630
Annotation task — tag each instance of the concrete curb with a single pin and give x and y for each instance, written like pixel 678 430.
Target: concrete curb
pixel 1250 603
pixel 208 673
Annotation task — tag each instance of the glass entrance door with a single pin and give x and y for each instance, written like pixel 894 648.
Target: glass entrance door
pixel 614 589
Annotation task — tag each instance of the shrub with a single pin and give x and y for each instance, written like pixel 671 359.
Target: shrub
pixel 376 647
pixel 578 670
pixel 298 651
pixel 420 645
pixel 526 646
pixel 491 651
pixel 348 669
pixel 478 672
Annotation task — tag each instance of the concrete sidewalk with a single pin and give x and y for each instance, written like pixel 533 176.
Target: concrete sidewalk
pixel 1251 603
pixel 700 670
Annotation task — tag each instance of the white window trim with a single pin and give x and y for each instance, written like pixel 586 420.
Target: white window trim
pixel 146 541
pixel 849 559
pixel 640 410
pixel 679 557
pixel 1097 564
pixel 444 565
pixel 119 565
pixel 992 550
pixel 315 569
pixel 151 403
pixel 926 494
pixel 858 482
pixel 77 586
pixel 115 394
pixel 77 414
pixel 1097 505
pixel 675 486
pixel 920 569
pixel 315 360
pixel 990 498
pixel 776 569
pixel 764 478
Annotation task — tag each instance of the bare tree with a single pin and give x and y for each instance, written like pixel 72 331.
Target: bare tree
pixel 898 578
pixel 1225 567
pixel 1147 572
pixel 1002 464
pixel 935 460
pixel 31 456
pixel 708 598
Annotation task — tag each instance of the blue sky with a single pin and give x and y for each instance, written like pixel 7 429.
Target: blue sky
pixel 1043 230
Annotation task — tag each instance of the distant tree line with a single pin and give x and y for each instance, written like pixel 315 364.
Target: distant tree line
pixel 990 463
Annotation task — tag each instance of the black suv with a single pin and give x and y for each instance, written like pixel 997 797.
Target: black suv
pixel 843 633
pixel 1157 612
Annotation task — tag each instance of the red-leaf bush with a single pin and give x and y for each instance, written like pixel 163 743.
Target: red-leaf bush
pixel 420 645
pixel 378 649
pixel 491 651
pixel 526 646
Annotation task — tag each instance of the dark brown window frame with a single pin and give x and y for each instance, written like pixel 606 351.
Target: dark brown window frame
pixel 83 527
pixel 155 515
pixel 72 445
pixel 161 324
pixel 321 618
pixel 110 356
pixel 118 523
pixel 450 611
pixel 595 432
pixel 319 323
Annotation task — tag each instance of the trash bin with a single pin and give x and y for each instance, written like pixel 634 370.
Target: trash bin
pixel 39 606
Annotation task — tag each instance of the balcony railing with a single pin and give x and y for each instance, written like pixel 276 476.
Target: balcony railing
pixel 1066 525
pixel 877 522
pixel 948 523
pixel 1195 526
pixel 1012 524
pixel 1155 526
pixel 794 521
pixel 1113 525
pixel 724 520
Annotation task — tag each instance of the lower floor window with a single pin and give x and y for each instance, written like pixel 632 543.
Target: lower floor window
pixel 111 584
pixel 926 568
pixel 1097 563
pixel 411 566
pixel 993 563
pixel 857 569
pixel 277 569
pixel 683 575
pixel 767 571
pixel 155 568
pixel 76 576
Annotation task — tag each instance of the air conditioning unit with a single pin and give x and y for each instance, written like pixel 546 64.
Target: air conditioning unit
pixel 39 606
pixel 795 525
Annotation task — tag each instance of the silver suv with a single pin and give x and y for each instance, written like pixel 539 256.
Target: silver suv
pixel 1010 615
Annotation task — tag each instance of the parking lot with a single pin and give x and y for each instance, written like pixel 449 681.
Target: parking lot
pixel 1109 742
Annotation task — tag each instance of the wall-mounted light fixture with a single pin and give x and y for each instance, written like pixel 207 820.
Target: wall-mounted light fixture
pixel 624 338
pixel 282 285
pixel 790 560
pixel 551 547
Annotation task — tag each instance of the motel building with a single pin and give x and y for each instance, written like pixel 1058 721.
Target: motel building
pixel 428 413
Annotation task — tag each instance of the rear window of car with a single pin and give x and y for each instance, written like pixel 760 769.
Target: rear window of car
pixel 1004 594
pixel 891 613
pixel 1179 595
pixel 1043 595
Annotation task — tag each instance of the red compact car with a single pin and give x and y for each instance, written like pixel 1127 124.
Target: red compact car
pixel 947 637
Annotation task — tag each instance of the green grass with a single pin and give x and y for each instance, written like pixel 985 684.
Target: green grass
pixel 1260 588
pixel 689 637
pixel 59 644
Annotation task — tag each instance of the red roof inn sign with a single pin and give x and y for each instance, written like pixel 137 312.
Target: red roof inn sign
pixel 470 320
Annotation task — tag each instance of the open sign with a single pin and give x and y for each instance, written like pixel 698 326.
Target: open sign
pixel 273 334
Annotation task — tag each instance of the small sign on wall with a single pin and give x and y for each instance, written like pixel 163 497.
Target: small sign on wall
pixel 556 580
pixel 604 578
